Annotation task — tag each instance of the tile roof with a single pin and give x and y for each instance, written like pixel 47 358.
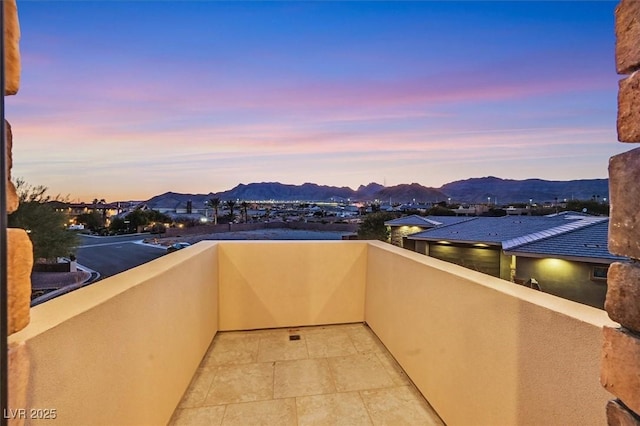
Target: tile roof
pixel 449 220
pixel 494 230
pixel 411 220
pixel 586 242
pixel 530 236
pixel 568 213
pixel 425 221
pixel 568 226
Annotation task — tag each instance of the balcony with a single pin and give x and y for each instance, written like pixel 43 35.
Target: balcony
pixel 479 349
pixel 327 375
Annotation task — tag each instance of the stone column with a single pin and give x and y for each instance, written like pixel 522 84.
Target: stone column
pixel 19 248
pixel 620 368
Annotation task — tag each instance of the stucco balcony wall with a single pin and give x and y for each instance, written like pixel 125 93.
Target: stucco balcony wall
pixel 268 284
pixel 122 351
pixel 482 351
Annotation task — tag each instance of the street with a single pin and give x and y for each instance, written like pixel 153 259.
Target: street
pixel 112 255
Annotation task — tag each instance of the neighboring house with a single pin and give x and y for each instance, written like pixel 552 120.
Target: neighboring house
pixel 517 211
pixel 565 255
pixel 572 265
pixel 412 224
pixel 475 210
pixel 107 210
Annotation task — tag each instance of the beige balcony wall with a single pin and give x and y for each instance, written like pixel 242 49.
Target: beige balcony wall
pixel 484 351
pixel 481 350
pixel 270 284
pixel 123 351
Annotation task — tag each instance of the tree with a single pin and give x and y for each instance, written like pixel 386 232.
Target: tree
pixel 137 220
pixel 215 203
pixel 117 225
pixel 244 206
pixel 46 226
pixel 156 216
pixel 92 221
pixel 588 206
pixel 158 221
pixel 373 227
pixel 438 210
pixel 230 204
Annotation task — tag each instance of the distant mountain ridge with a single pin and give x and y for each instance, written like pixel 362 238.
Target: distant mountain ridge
pixel 478 190
pixel 475 190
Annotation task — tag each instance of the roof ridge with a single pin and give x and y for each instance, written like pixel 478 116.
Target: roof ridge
pixel 552 232
pixel 444 225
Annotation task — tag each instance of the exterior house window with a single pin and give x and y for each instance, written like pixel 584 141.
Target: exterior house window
pixel 599 273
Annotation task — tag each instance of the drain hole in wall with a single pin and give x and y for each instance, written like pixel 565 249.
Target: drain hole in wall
pixel 294 337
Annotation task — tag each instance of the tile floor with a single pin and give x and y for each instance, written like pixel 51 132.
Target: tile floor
pixel 333 375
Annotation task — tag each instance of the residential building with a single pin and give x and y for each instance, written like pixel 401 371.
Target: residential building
pixel 408 225
pixel 572 264
pixel 565 255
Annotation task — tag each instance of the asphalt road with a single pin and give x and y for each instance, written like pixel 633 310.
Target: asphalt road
pixel 112 255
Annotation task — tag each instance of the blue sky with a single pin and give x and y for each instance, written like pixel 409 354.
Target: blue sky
pixel 126 100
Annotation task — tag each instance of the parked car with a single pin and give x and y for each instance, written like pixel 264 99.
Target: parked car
pixel 177 246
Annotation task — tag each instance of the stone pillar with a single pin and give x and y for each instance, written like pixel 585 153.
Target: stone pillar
pixel 12 196
pixel 19 265
pixel 12 83
pixel 19 248
pixel 620 367
pixel 11 47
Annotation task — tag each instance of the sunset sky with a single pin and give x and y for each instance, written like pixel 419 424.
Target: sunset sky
pixel 127 100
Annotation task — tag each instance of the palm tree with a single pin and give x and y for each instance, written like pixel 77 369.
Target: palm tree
pixel 244 205
pixel 230 204
pixel 215 203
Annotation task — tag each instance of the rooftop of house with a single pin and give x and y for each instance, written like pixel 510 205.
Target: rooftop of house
pixel 426 221
pixel 567 213
pixel 575 237
pixel 588 242
pixel 490 230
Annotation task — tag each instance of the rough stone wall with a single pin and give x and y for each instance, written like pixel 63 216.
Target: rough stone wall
pixel 399 232
pixel 19 248
pixel 11 47
pixel 620 368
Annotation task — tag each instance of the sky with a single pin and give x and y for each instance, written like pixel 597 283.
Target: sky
pixel 124 100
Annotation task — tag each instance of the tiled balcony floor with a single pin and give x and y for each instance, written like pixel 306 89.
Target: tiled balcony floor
pixel 333 375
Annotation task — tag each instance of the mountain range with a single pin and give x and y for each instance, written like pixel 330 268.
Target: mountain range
pixel 475 190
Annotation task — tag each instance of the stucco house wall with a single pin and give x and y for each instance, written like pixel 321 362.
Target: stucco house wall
pixel 567 279
pixel 485 260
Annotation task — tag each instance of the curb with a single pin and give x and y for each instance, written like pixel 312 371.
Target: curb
pixel 94 276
